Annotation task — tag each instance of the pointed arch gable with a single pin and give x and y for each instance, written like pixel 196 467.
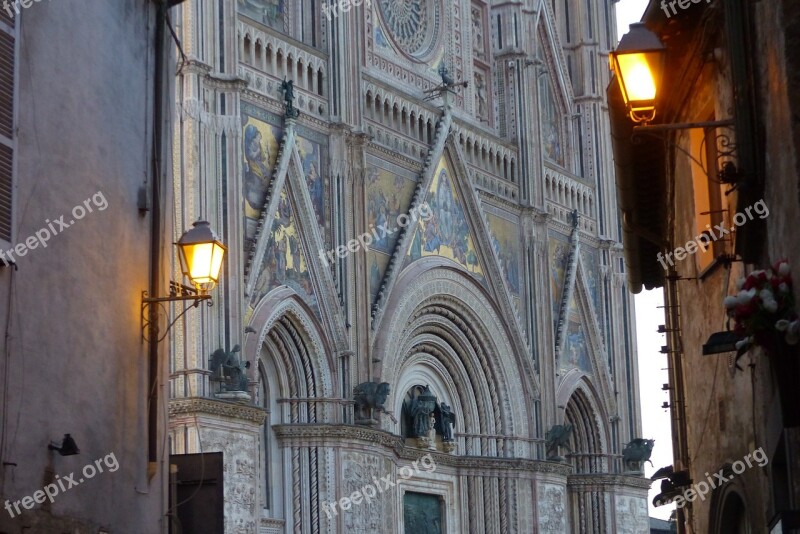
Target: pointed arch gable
pixel 477 230
pixel 252 266
pixel 434 295
pixel 596 348
pixel 554 59
pixel 315 247
pixel 291 177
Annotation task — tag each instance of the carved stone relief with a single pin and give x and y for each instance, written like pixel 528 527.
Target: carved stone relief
pixel 632 515
pixel 239 473
pixel 551 504
pixel 360 470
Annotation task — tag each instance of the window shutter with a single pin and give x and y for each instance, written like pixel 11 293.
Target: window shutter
pixel 7 108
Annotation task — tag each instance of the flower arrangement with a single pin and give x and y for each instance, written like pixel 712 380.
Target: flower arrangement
pixel 763 307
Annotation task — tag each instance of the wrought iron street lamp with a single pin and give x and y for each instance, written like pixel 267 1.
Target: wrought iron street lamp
pixel 201 254
pixel 638 63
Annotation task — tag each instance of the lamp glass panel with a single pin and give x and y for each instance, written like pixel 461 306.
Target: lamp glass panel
pixel 638 77
pixel 199 257
pixel 216 261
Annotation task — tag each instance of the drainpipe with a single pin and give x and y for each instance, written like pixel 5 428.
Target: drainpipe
pixel 154 289
pixel 677 397
pixel 155 239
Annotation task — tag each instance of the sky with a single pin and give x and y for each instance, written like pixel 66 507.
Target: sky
pixel 652 364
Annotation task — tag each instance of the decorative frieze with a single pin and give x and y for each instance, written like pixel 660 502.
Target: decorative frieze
pixel 233 410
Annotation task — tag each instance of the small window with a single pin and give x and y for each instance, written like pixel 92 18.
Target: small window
pixel 710 202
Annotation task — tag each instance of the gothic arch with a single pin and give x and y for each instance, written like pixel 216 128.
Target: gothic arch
pixel 729 514
pixel 439 311
pixel 287 332
pixel 588 419
pixel 294 360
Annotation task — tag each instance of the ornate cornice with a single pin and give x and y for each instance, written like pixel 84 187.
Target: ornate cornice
pixel 603 480
pixel 233 410
pixel 223 82
pixel 303 434
pixel 393 156
pixel 195 66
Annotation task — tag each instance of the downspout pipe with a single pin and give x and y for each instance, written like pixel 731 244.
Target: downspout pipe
pixel 155 236
pixel 157 168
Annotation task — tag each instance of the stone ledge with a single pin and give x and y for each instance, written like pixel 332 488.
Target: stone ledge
pixel 302 434
pixel 601 479
pixel 234 410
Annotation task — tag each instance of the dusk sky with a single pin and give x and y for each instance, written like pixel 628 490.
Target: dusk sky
pixel 652 364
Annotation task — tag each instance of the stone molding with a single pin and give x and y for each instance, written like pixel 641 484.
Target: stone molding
pixel 233 410
pixel 305 435
pixel 600 480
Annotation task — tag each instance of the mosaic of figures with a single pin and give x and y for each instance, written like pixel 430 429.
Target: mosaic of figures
pixel 559 255
pixel 389 189
pixel 550 121
pixel 505 240
pixel 575 352
pixel 268 12
pixel 446 233
pixel 262 136
pixel 284 260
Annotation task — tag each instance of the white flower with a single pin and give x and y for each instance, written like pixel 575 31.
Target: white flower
pixel 770 305
pixel 756 274
pixel 730 302
pixel 783 268
pixel 746 296
pixel 765 294
pixel 782 325
pixel 783 287
pixel 793 333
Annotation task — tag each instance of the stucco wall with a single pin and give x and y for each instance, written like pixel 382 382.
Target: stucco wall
pixel 74 357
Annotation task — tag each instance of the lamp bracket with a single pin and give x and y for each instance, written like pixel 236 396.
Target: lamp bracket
pixel 178 293
pixel 726 148
pixel 683 126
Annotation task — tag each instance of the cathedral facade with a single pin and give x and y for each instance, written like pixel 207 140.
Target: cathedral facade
pixel 424 323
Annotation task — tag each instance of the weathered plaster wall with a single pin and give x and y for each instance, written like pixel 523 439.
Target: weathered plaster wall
pixel 72 348
pixel 730 414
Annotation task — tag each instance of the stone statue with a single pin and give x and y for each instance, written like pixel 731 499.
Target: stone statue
pixel 448 421
pixel 481 105
pixel 369 397
pixel 227 368
pixel 477 33
pixel 420 409
pixel 556 439
pixel 287 86
pixel 637 452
